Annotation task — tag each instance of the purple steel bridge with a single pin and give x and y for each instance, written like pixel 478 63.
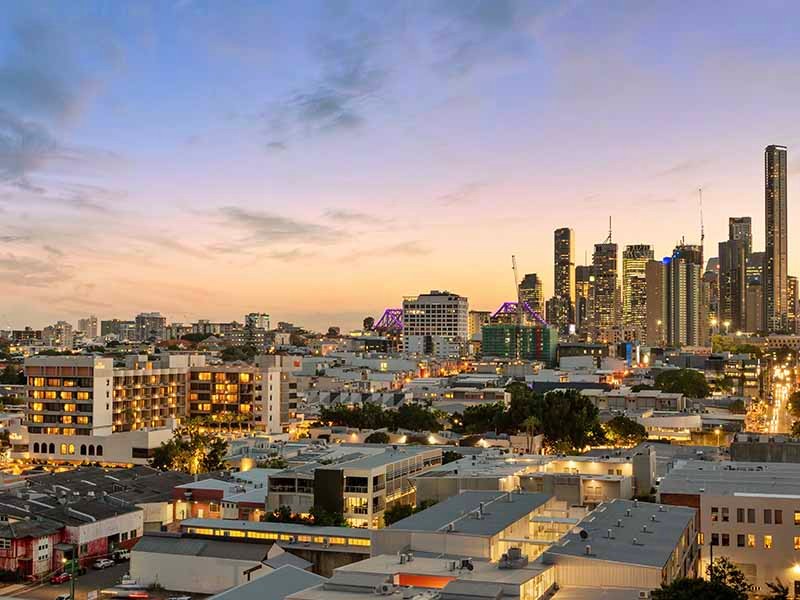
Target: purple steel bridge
pixel 391 321
pixel 509 309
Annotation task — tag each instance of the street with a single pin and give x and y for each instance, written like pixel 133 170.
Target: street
pixel 93 580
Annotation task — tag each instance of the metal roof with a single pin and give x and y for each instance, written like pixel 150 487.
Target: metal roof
pixel 500 509
pixel 652 548
pixel 731 478
pixel 289 528
pixel 277 585
pixel 175 544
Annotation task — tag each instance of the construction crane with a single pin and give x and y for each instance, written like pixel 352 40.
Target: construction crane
pixel 519 308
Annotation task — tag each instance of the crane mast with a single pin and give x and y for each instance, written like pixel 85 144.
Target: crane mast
pixel 519 308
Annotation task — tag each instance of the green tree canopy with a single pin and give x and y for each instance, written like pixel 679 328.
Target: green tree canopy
pixel 192 450
pixel 397 512
pixel 569 421
pixel 11 375
pixel 622 431
pixel 689 382
pixel 238 353
pixel 724 572
pixel 694 589
pixel 377 437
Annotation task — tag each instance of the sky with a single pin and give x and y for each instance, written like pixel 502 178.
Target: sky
pixel 318 161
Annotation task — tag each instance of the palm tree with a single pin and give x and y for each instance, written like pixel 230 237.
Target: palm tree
pixel 531 424
pixel 778 589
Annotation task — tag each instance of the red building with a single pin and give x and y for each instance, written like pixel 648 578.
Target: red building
pixel 28 547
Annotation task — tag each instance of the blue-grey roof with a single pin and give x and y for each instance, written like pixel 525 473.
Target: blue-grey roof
pixel 501 509
pixel 277 585
pixel 287 558
pixel 653 547
pixel 290 528
pixel 176 545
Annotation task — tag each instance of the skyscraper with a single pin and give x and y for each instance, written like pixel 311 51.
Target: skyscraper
pixel 604 269
pixel 564 277
pixel 792 311
pixel 584 280
pixel 741 228
pixel 754 305
pixel 684 302
pixel 530 290
pixel 732 284
pixel 656 313
pixel 775 282
pixel 634 288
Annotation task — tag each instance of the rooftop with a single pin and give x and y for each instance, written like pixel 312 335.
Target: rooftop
pixel 630 542
pixel 732 478
pixel 186 546
pixel 499 510
pixel 277 585
pixel 288 528
pixel 87 511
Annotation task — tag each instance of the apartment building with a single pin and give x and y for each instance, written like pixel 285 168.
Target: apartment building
pixel 226 394
pixel 436 324
pixel 747 512
pixel 360 485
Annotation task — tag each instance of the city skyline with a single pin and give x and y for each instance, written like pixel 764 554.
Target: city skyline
pixel 150 160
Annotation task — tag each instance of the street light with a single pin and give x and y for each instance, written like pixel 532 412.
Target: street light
pixel 73 562
pixel 718 431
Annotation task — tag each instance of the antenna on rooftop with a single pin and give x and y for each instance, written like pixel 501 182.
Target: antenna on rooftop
pixel 608 239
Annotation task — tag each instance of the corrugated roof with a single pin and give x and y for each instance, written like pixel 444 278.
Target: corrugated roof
pixel 277 585
pixel 185 546
pixel 501 509
pixel 290 528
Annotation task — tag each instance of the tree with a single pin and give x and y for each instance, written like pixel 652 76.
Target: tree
pixel 238 353
pixel 322 518
pixel 724 572
pixel 12 376
pixel 195 337
pixel 569 421
pixel 396 513
pixel 778 589
pixel 796 429
pixel 531 424
pixel 214 459
pixel 622 431
pixel 415 417
pixel 469 441
pixel 481 418
pixel 689 382
pixel 377 437
pixel 449 456
pixel 694 589
pixel 191 449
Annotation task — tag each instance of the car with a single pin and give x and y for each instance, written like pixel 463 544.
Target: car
pixel 103 563
pixel 120 554
pixel 179 598
pixel 60 578
pixel 64 597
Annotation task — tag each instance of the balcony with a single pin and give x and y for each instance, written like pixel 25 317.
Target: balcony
pixel 356 489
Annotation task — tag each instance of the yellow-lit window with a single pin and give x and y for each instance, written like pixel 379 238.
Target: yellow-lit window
pixel 83 420
pixel 232 388
pixel 204 376
pixel 192 396
pixel 37 406
pixel 751 540
pixel 767 542
pixel 51 395
pixel 66 395
pixel 204 407
pixel 244 408
pixel 71 449
pixel 54 382
pixel 37 418
pixel 219 377
pixel 358 542
pixel 68 431
pixel 285 537
pixel 231 398
pixel 219 387
pixel 69 383
pixel 319 540
pixel 67 419
pixel 244 377
pixel 797 542
pixel 83 395
pixel 37 395
pixel 38 381
pixel 70 407
pixel 797 517
pixel 338 540
pixel 63 448
pixel 236 533
pixel 304 538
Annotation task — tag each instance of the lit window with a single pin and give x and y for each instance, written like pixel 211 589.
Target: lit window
pixel 767 542
pixel 751 540
pixel 204 376
pixel 797 542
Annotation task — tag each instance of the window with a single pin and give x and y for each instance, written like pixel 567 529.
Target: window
pixel 767 516
pixel 715 539
pixel 797 542
pixel 767 542
pixel 99 450
pixel 726 539
pixel 63 449
pixel 778 517
pixel 714 512
pixel 797 517
pixel 5 543
pixel 751 515
pixel 204 376
pixel 83 395
pixel 725 515
pixel 740 540
pixel 751 540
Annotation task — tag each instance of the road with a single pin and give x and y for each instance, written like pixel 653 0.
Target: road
pixel 93 580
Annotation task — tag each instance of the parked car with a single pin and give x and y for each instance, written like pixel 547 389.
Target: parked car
pixel 103 563
pixel 179 598
pixel 64 597
pixel 60 578
pixel 120 554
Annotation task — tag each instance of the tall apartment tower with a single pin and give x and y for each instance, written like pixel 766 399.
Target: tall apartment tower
pixel 733 284
pixel 604 268
pixel 741 229
pixel 685 321
pixel 584 281
pixel 792 314
pixel 634 287
pixel 656 303
pixel 564 277
pixel 774 283
pixel 530 290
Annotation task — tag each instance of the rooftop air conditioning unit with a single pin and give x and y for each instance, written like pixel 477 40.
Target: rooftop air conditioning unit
pixel 384 589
